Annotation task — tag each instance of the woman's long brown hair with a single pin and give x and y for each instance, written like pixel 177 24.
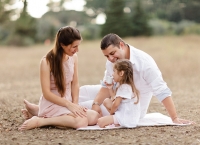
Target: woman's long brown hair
pixel 127 78
pixel 65 36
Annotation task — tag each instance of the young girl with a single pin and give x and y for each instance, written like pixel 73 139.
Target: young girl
pixel 123 105
pixel 58 104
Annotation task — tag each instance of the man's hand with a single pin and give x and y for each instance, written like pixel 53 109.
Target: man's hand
pixel 102 94
pixel 97 108
pixel 182 121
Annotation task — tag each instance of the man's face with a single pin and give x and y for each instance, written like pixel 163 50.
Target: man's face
pixel 113 53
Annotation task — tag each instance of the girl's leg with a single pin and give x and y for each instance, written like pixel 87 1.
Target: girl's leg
pixel 106 120
pixel 88 105
pixel 107 103
pixel 63 121
pixel 92 117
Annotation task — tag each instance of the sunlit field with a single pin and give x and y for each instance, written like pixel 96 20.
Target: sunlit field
pixel 177 57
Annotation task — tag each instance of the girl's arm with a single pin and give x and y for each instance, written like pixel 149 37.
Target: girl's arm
pixel 75 83
pixel 48 95
pixel 112 93
pixel 115 105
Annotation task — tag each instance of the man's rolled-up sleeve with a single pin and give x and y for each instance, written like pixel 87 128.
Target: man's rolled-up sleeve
pixel 154 79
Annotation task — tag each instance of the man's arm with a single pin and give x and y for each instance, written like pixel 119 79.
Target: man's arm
pixel 103 92
pixel 101 96
pixel 170 107
pixel 160 89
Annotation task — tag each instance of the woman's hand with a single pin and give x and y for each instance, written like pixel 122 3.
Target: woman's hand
pixel 77 110
pixel 97 109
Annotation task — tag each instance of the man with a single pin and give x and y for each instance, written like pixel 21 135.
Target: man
pixel 147 76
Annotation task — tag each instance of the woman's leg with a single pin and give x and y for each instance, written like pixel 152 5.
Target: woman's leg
pixel 86 93
pixel 30 111
pixel 32 108
pixel 25 114
pixel 63 121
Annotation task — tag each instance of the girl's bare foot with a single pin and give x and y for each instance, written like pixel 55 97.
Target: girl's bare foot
pixel 31 108
pixel 26 115
pixel 30 124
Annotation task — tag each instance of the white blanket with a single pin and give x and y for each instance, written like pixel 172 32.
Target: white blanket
pixel 151 119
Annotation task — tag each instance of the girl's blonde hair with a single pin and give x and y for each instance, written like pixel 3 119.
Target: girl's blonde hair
pixel 127 78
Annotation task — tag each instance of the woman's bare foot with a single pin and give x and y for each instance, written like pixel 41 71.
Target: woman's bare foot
pixel 31 108
pixel 30 124
pixel 26 115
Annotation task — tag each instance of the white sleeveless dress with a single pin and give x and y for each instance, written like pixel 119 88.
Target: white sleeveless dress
pixel 128 113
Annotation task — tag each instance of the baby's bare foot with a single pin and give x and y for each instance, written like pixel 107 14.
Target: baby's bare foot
pixel 30 124
pixel 31 108
pixel 25 114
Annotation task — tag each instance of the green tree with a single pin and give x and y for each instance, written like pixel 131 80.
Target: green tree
pixel 174 10
pixel 139 20
pixel 56 5
pixel 6 12
pixel 98 6
pixel 24 29
pixel 116 20
pixel 191 10
pixel 51 21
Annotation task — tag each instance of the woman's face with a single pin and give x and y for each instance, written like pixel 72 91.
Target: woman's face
pixel 71 49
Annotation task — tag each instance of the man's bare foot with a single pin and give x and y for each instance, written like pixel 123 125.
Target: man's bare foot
pixel 31 108
pixel 26 115
pixel 30 124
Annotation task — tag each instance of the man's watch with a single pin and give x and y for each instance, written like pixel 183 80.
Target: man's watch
pixel 95 103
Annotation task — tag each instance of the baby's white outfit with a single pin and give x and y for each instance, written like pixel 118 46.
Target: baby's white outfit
pixel 128 113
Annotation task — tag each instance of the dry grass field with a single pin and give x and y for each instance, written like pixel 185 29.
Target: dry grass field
pixel 177 57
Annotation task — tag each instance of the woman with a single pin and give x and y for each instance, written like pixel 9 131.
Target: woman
pixel 58 104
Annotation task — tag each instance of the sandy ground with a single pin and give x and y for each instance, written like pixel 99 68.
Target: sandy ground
pixel 177 57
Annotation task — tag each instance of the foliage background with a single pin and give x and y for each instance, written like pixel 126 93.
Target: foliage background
pixel 123 17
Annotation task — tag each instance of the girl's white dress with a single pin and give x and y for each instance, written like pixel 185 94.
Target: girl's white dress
pixel 128 113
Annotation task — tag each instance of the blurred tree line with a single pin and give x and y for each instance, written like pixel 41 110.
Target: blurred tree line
pixel 124 17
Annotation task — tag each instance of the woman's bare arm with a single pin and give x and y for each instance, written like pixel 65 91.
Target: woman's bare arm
pixel 45 85
pixel 75 83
